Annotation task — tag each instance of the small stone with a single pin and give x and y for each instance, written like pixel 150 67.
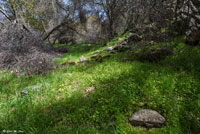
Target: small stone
pixel 96 52
pixel 120 39
pixel 83 59
pixel 89 90
pixel 24 92
pixel 109 49
pixel 147 118
pixel 121 48
pixel 95 56
pixel 36 87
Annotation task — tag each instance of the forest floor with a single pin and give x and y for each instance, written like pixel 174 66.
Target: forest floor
pixel 98 97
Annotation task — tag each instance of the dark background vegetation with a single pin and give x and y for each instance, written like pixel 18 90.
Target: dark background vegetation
pixel 100 20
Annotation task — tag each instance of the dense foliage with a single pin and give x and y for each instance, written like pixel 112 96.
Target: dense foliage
pixel 58 19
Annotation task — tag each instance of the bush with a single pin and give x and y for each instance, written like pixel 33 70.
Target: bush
pixel 22 50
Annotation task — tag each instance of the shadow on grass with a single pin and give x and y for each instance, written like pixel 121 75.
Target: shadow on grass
pixel 187 59
pixel 91 113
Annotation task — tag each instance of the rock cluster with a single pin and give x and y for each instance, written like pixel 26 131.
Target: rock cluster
pixel 124 44
pixel 121 47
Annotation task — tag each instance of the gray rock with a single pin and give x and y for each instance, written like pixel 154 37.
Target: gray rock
pixel 120 39
pixel 121 48
pixel 37 87
pixel 24 92
pixel 109 49
pixel 96 52
pixel 147 118
pixel 83 59
pixel 95 56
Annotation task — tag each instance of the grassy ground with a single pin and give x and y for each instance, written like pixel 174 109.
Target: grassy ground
pixel 63 104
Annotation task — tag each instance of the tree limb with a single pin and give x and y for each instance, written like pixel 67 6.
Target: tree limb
pixel 5 14
pixel 57 28
pixel 2 23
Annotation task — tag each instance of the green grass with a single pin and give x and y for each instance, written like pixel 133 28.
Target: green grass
pixel 61 106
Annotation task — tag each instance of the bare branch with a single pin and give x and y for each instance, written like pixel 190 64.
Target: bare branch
pixel 5 14
pixel 2 23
